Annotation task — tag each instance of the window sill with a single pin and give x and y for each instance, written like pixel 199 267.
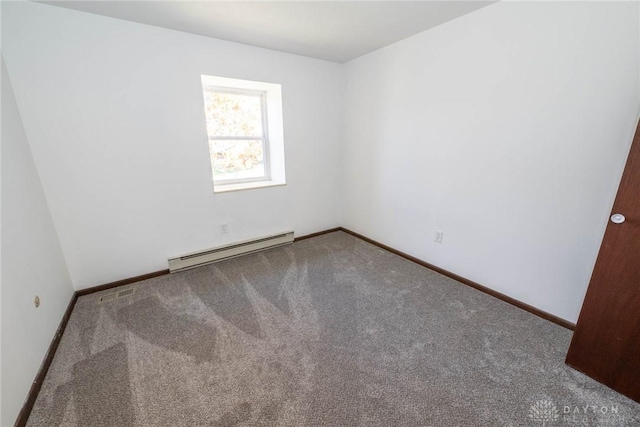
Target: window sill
pixel 225 188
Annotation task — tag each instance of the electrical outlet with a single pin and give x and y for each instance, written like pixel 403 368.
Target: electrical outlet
pixel 224 228
pixel 438 236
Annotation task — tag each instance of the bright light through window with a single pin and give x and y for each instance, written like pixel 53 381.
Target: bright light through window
pixel 237 143
pixel 244 129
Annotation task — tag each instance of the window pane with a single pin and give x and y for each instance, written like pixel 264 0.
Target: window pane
pixel 236 159
pixel 232 114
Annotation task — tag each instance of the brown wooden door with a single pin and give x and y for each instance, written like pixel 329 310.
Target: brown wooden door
pixel 606 342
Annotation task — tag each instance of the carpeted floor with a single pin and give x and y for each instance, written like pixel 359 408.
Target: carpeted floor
pixel 327 331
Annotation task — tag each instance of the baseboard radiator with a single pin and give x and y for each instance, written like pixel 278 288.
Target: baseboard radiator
pixel 208 256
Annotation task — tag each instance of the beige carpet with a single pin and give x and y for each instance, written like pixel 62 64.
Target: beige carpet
pixel 327 331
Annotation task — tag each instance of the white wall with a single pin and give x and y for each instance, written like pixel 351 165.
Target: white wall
pixel 507 129
pixel 114 114
pixel 32 264
pixel 1 73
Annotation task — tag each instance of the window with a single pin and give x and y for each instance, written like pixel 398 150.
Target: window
pixel 244 129
pixel 236 125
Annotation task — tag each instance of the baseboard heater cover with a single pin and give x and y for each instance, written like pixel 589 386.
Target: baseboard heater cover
pixel 208 256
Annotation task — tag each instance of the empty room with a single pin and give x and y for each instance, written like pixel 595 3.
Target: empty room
pixel 320 213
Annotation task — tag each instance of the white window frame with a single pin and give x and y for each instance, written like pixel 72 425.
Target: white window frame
pixel 264 137
pixel 272 131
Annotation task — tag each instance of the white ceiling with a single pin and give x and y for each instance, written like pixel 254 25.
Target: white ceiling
pixel 332 30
